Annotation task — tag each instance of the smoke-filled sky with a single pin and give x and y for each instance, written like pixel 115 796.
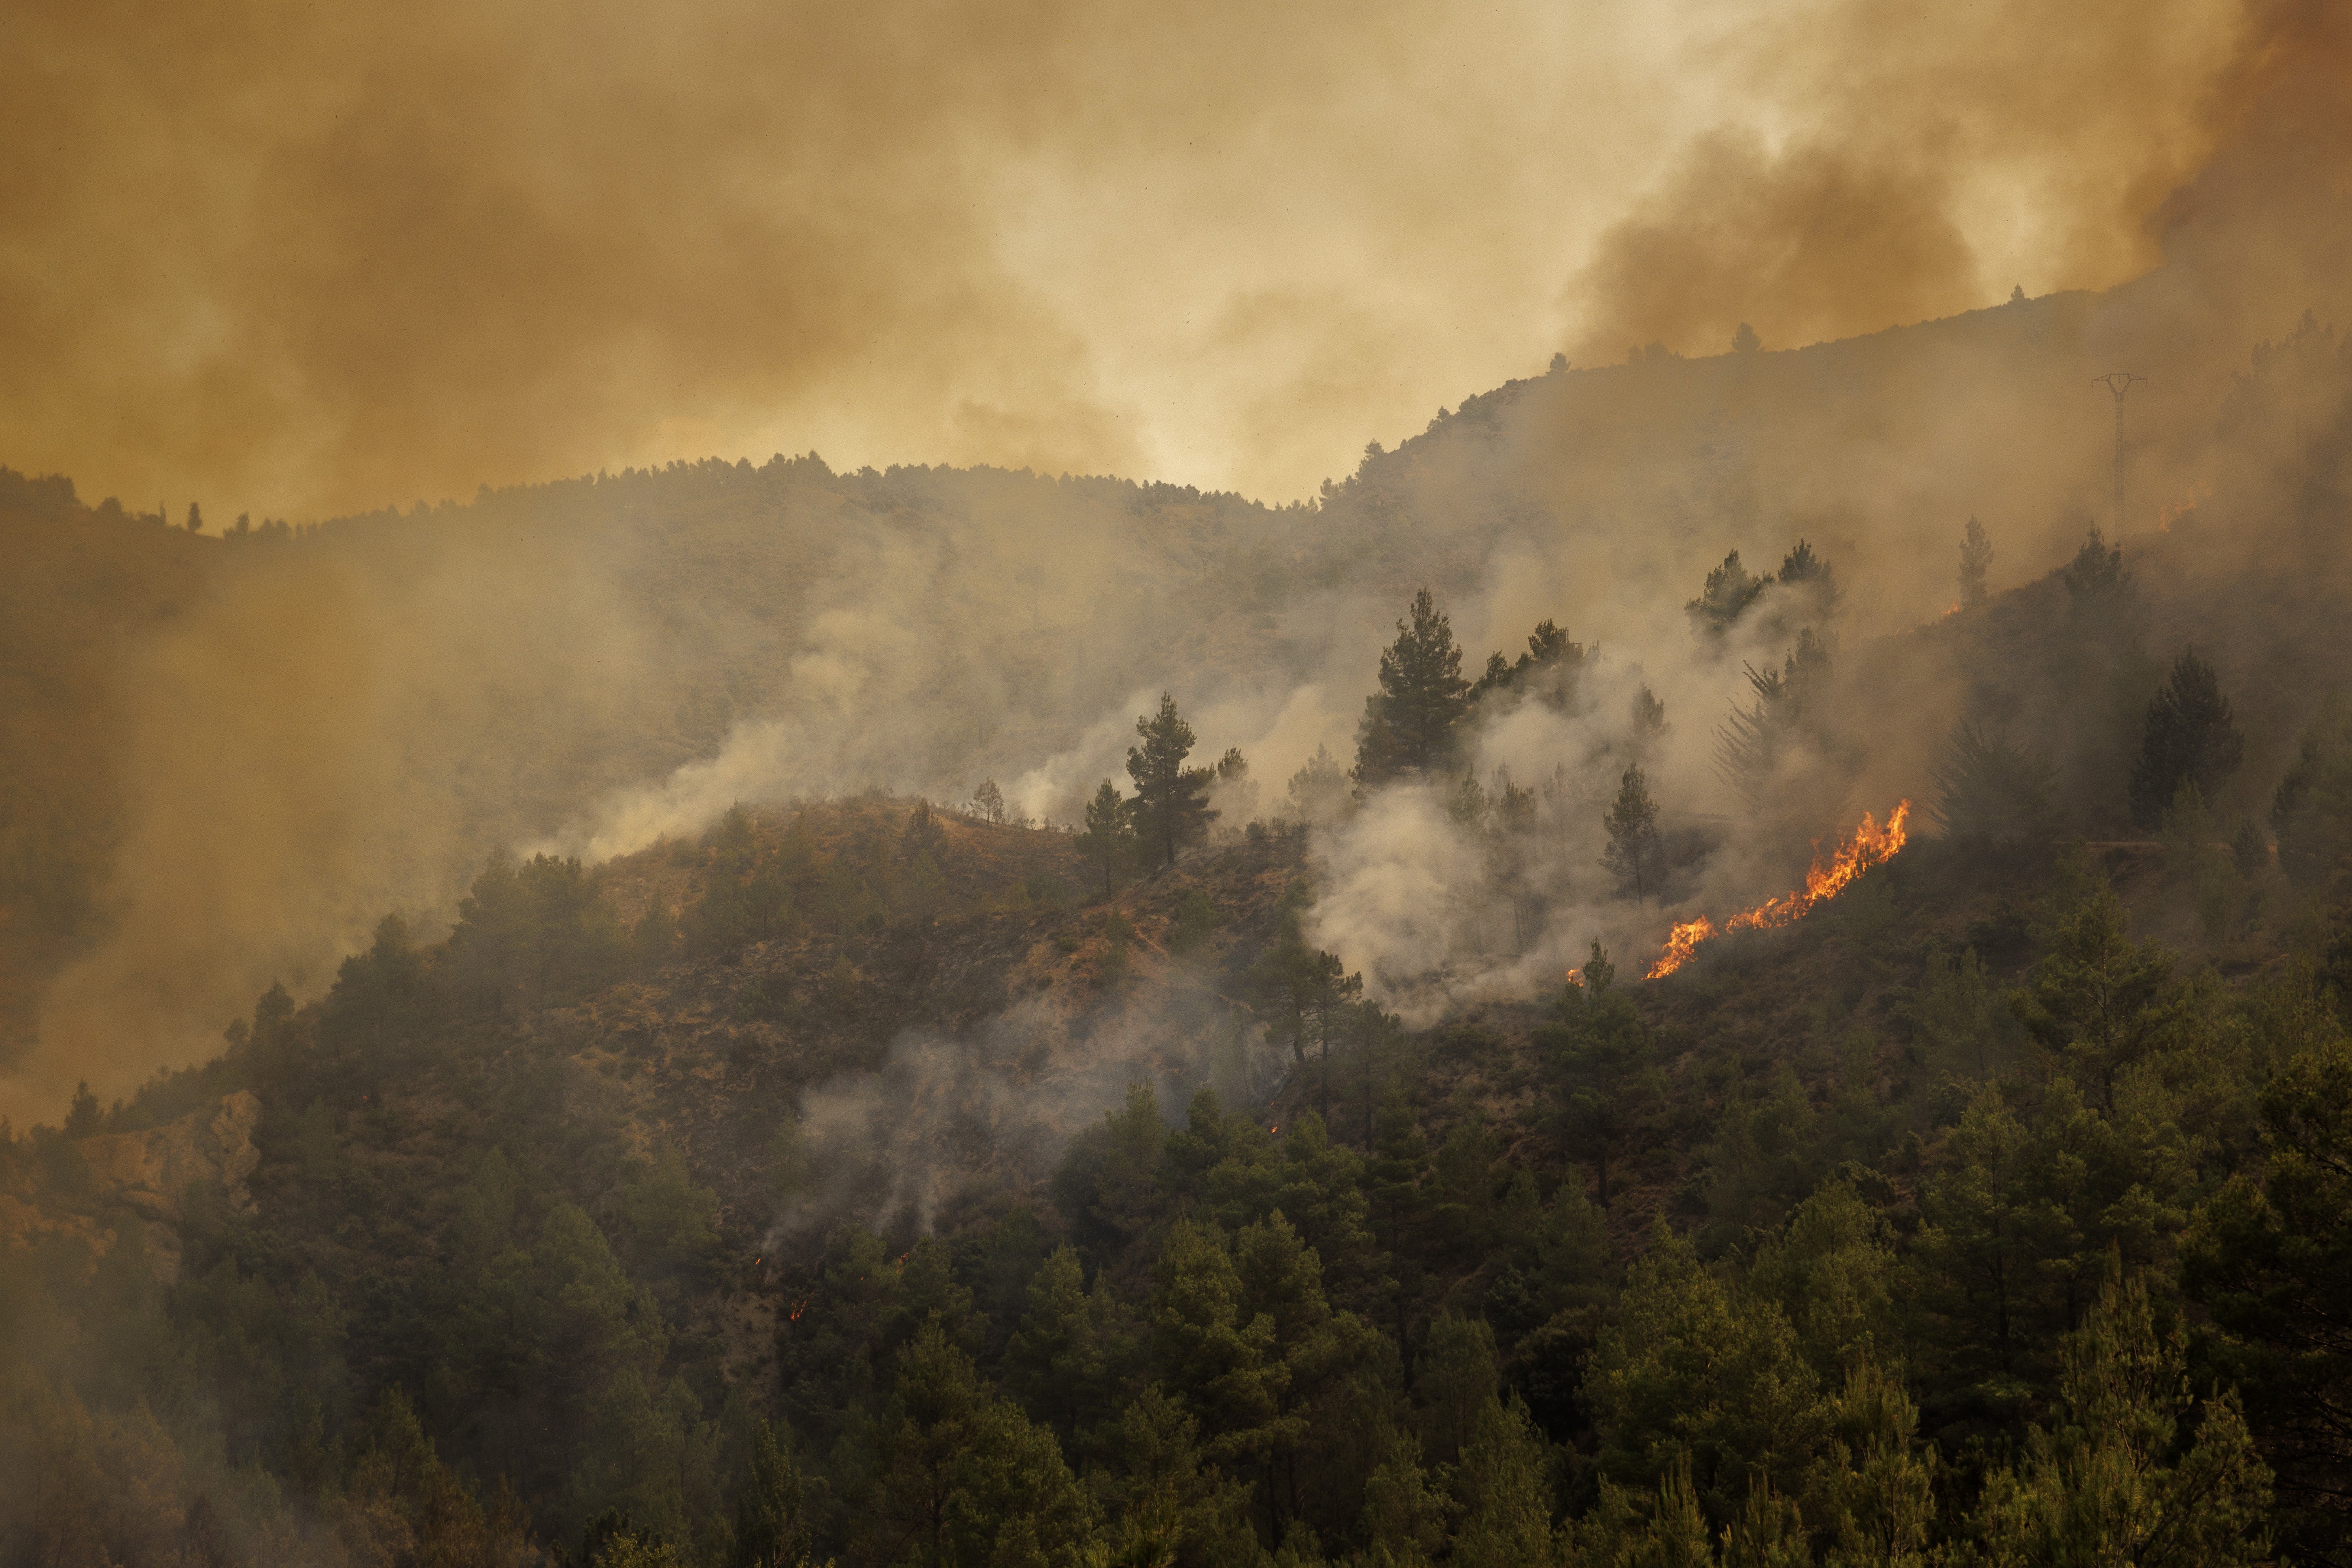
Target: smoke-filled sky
pixel 302 258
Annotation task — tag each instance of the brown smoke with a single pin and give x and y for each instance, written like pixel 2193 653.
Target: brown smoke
pixel 1929 161
pixel 313 258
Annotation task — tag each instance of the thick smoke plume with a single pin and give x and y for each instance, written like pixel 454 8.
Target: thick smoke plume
pixel 311 259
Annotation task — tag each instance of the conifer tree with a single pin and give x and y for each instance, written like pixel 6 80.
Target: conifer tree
pixel 1611 1087
pixel 1976 557
pixel 1635 855
pixel 1546 671
pixel 1407 730
pixel 1991 790
pixel 1730 589
pixel 2099 589
pixel 1318 791
pixel 1804 571
pixel 1646 724
pixel 1170 799
pixel 769 1530
pixel 2191 738
pixel 1754 745
pixel 1110 832
pixel 2114 1483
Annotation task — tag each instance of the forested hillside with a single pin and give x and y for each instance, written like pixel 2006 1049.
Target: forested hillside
pixel 741 1200
pixel 791 1079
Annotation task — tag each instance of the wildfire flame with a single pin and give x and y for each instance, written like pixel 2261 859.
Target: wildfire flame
pixel 1869 845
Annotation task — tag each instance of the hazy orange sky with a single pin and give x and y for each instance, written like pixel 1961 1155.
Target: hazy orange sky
pixel 298 259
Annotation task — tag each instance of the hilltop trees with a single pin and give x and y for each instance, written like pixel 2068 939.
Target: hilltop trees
pixel 2191 738
pixel 1171 801
pixel 1407 731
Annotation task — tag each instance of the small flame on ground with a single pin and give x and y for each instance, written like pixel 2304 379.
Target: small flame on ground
pixel 1953 611
pixel 1869 845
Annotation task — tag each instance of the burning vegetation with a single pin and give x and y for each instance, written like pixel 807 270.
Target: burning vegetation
pixel 1869 845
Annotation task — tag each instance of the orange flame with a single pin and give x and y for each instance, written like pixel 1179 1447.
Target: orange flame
pixel 1869 845
pixel 1681 943
pixel 1953 611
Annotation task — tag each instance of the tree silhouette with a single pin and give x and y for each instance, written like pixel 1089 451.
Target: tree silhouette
pixel 1635 855
pixel 1408 725
pixel 1170 799
pixel 1976 555
pixel 1730 590
pixel 2190 738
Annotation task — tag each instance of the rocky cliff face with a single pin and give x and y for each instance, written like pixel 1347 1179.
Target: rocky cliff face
pixel 101 1188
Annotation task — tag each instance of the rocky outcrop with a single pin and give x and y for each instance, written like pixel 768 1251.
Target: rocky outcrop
pixel 150 1172
pixel 139 1180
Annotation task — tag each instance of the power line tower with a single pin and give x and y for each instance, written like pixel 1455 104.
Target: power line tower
pixel 2119 383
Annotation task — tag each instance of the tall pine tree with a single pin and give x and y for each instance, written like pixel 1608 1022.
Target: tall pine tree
pixel 2191 738
pixel 1171 801
pixel 1408 725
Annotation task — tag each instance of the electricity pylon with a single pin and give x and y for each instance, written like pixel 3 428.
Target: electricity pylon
pixel 2119 383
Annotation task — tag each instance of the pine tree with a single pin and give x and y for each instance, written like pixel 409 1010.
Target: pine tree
pixel 1170 799
pixel 1646 724
pixel 1611 1087
pixel 1730 590
pixel 2113 1483
pixel 2099 591
pixel 988 803
pixel 1976 556
pixel 1318 791
pixel 1754 747
pixel 769 1530
pixel 1547 672
pixel 2270 1256
pixel 1110 832
pixel 1803 571
pixel 2191 738
pixel 1635 855
pixel 1991 790
pixel 1408 725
